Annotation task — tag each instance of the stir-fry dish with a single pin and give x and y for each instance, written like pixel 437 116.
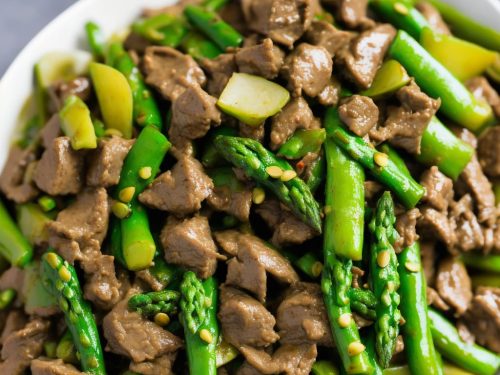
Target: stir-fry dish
pixel 258 187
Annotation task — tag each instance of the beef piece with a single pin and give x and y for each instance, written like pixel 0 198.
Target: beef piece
pixel 429 255
pixel 219 70
pixel 151 281
pixel 406 226
pixel 287 228
pixel 295 115
pixel 438 189
pixel 247 369
pixel 189 244
pixel 102 288
pixel 405 125
pixel 247 273
pixel 171 72
pixel 14 321
pixel 180 190
pixel 331 93
pixel 467 229
pixel 22 346
pixel 288 359
pixel 12 180
pixel 46 366
pixel 160 366
pixel 326 35
pixel 481 89
pixel 433 16
pixel 60 91
pixel 301 317
pixel 353 13
pixel 233 15
pixel 13 278
pixel 244 320
pixel 137 43
pixel 235 203
pixel 264 59
pixel 465 135
pixel 307 69
pixel 434 299
pixel 106 162
pixel 453 284
pixel 253 132
pixel 51 130
pixel 372 190
pixel 60 171
pixel 488 151
pixel 365 53
pixel 433 224
pixel 176 9
pixel 464 332
pixel 284 21
pixel 135 337
pixel 359 113
pixel 483 317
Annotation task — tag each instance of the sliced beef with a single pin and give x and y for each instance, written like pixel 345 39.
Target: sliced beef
pixel 488 151
pixel 13 181
pixel 136 43
pixel 434 299
pixel 159 366
pixel 60 91
pixel 22 346
pixel 264 59
pixel 365 53
pixel 46 366
pixel 244 320
pixel 193 113
pixel 359 113
pixel 454 285
pixel 372 190
pixel 180 190
pixel 14 321
pixel 171 72
pixel 405 124
pixel 287 228
pixel 326 35
pixel 307 69
pixel 247 369
pixel 235 203
pixel 467 229
pixel 13 278
pixel 433 16
pixel 353 13
pixel 284 21
pixel 434 224
pixel 438 189
pixel 301 317
pixel 233 15
pixel 176 9
pixel 483 317
pixel 102 287
pixel 295 115
pixel 219 70
pixel 428 254
pixel 288 359
pixel 106 162
pixel 151 281
pixel 60 171
pixel 481 89
pixel 406 224
pixel 247 273
pixel 51 130
pixel 135 337
pixel 189 244
pixel 331 93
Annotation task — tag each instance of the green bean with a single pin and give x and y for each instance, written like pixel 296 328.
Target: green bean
pixel 13 245
pixel 95 40
pixel 199 47
pixel 163 29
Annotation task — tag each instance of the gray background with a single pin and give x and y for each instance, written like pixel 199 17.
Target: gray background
pixel 20 20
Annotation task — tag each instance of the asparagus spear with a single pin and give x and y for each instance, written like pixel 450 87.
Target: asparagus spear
pixel 302 142
pixel 273 173
pixel 61 280
pixel 482 262
pixel 211 157
pixel 324 368
pixel 163 29
pixel 214 5
pixel 95 40
pixel 199 317
pixel 379 164
pixel 363 301
pixel 165 273
pixel 153 303
pixel 422 357
pixel 13 245
pixel 310 264
pixel 385 278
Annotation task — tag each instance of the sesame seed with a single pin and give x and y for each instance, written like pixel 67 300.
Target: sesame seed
pixel 258 195
pixel 162 319
pixel 84 340
pixel 355 348
pixel 127 194
pixel 52 260
pixel 345 320
pixel 206 336
pixel 64 274
pixel 121 210
pixel 412 267
pixel 146 94
pixel 401 9
pixel 316 269
pixel 145 173
pixel 327 209
pixel 113 132
pixel 383 259
pixel 92 362
pixel 288 175
pixel 208 302
pixel 381 159
pixel 274 171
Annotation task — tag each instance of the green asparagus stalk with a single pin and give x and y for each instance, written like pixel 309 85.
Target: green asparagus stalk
pixel 95 40
pixel 60 278
pixel 261 165
pixel 385 278
pixel 7 296
pixel 32 221
pixel 199 47
pixel 66 350
pixel 310 264
pixel 153 303
pixel 482 262
pixel 324 368
pixel 395 157
pixel 13 245
pixel 214 5
pixel 302 142
pixel 363 301
pixel 166 274
pixel 485 279
pixel 211 158
pixel 163 29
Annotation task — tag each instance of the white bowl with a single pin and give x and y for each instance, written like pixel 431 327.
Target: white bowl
pixel 66 32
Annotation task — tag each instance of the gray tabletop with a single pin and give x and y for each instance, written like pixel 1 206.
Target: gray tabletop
pixel 21 20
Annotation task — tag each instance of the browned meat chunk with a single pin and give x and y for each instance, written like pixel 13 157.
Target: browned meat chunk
pixel 307 69
pixel 481 89
pixel 60 91
pixel 189 244
pixel 51 130
pixel 235 203
pixel 453 284
pixel 22 346
pixel 219 70
pixel 434 224
pixel 331 93
pixel 131 335
pixel 466 226
pixel 288 229
pixel 13 278
pixel 102 288
pixel 488 151
pixel 429 256
pixel 483 317
pixel 136 43
pixel 14 321
pixel 364 55
pixel 12 180
pixel 46 366
pixel 263 59
pixel 288 359
pixel 324 34
pixel 438 189
pixel 160 366
pixel 359 113
pixel 60 171
pixel 352 13
pixel 244 320
pixel 284 21
pixel 233 15
pixel 171 72
pixel 254 132
pixel 106 163
pixel 434 299
pixel 180 190
pixel 405 125
pixel 176 9
pixel 406 223
pixel 301 317
pixel 433 16
pixel 295 115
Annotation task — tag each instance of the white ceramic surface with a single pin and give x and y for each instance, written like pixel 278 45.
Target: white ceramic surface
pixel 66 33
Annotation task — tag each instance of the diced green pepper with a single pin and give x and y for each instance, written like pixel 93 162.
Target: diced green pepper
pixel 390 78
pixel 76 123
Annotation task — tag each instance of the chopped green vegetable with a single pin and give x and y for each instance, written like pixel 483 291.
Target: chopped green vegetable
pixel 302 143
pixel 32 222
pixel 389 78
pixel 13 245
